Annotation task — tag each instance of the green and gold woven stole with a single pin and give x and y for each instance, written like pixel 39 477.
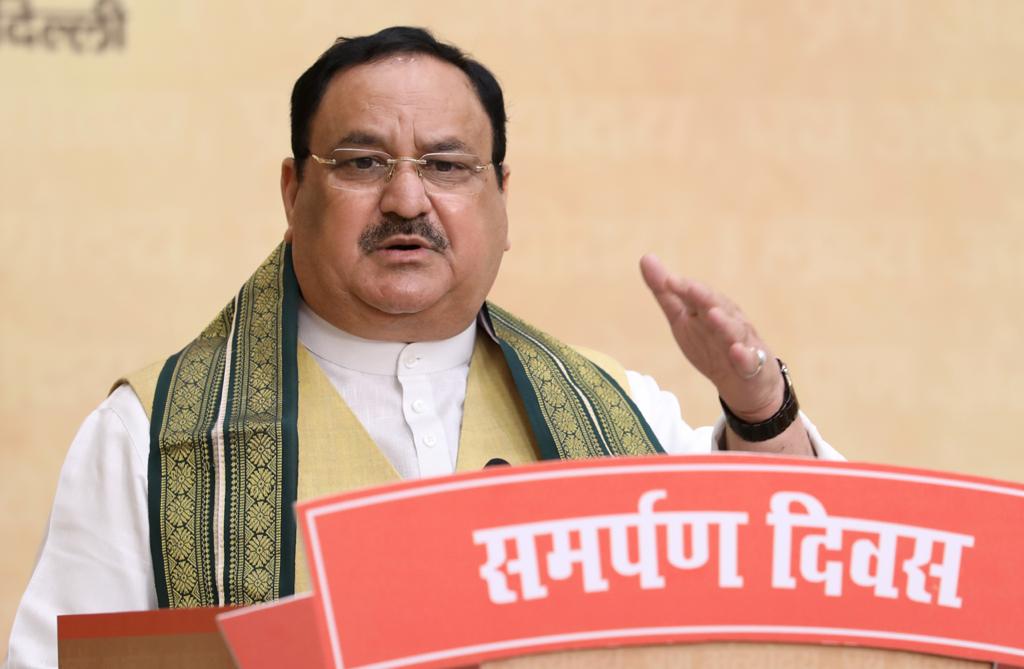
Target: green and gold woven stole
pixel 576 409
pixel 223 464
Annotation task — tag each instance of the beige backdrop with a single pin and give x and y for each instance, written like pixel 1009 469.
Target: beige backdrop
pixel 849 172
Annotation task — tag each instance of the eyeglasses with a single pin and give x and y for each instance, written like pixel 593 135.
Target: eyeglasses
pixel 367 171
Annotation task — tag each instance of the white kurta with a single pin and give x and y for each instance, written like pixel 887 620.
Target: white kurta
pixel 95 555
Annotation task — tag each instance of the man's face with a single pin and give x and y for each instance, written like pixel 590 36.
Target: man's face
pixel 396 263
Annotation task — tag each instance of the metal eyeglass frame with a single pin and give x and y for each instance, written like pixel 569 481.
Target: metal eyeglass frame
pixel 392 162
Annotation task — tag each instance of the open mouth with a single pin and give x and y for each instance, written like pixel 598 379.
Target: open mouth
pixel 404 243
pixel 405 247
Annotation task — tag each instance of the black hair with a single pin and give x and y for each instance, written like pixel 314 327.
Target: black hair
pixel 347 52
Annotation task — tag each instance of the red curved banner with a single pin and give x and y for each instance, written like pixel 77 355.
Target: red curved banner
pixel 456 570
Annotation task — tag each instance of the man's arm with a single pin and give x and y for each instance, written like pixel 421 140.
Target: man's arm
pixel 95 555
pixel 660 409
pixel 717 339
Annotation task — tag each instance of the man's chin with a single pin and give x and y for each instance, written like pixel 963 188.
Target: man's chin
pixel 415 318
pixel 403 303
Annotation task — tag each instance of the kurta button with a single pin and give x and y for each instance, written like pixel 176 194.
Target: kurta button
pixel 430 440
pixel 419 406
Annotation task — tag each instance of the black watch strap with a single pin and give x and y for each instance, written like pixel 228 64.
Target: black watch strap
pixel 772 427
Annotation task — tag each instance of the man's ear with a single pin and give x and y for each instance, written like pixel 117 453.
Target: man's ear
pixel 289 191
pixel 506 175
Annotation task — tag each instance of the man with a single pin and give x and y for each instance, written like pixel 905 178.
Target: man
pixel 363 351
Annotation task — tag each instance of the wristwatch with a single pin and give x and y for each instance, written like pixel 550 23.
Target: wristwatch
pixel 771 427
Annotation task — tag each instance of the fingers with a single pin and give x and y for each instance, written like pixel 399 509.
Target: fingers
pixel 698 297
pixel 718 340
pixel 654 272
pixel 674 293
pixel 657 277
pixel 704 313
pixel 727 327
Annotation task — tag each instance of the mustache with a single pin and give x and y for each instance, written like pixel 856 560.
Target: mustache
pixel 391 225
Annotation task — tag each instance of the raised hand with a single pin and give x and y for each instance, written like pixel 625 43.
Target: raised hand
pixel 721 343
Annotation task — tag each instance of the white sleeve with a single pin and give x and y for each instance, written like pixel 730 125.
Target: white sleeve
pixel 660 409
pixel 95 555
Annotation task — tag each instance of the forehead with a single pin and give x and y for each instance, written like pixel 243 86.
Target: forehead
pixel 404 102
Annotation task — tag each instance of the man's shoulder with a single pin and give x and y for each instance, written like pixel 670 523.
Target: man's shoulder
pixel 143 383
pixel 610 365
pixel 605 362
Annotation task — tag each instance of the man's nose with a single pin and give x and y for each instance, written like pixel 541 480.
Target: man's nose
pixel 404 194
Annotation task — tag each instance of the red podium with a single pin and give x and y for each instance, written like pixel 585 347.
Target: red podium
pixel 693 561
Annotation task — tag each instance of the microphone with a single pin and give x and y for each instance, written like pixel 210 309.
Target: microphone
pixel 496 462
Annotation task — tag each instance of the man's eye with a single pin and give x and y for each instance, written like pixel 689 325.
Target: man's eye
pixel 363 163
pixel 446 166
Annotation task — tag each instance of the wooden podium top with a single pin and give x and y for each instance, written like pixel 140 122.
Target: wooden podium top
pixel 736 655
pixel 188 639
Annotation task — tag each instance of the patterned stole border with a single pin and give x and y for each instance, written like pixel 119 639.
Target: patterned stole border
pixel 223 466
pixel 575 408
